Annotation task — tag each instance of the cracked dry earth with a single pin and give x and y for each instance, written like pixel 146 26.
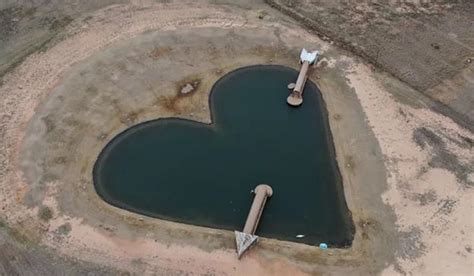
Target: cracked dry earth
pixel 408 171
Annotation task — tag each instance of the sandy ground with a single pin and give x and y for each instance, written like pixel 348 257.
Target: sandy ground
pixel 433 205
pixel 408 171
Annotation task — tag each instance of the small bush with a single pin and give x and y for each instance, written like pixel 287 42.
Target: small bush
pixel 45 213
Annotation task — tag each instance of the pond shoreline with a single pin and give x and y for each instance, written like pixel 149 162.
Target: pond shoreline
pixel 254 105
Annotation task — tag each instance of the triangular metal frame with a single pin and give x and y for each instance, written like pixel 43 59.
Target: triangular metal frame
pixel 244 241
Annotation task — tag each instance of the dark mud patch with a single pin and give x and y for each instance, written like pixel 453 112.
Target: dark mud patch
pixel 468 141
pixel 461 141
pixel 48 123
pixel 446 207
pixel 411 245
pixel 425 198
pixel 441 156
pixel 184 88
pixel 45 213
pixel 424 137
pixel 188 86
pixel 64 229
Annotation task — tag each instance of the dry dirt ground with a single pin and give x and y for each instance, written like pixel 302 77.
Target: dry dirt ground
pixel 408 171
pixel 427 44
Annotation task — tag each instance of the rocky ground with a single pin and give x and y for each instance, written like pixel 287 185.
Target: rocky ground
pixel 75 73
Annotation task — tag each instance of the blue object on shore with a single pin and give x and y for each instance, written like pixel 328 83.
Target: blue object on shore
pixel 323 245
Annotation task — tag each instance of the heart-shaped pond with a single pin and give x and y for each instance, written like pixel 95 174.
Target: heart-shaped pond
pixel 202 174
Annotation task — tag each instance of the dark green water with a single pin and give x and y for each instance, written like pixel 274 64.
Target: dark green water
pixel 202 174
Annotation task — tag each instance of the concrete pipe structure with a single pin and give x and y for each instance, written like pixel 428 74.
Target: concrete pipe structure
pixel 306 59
pixel 245 239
